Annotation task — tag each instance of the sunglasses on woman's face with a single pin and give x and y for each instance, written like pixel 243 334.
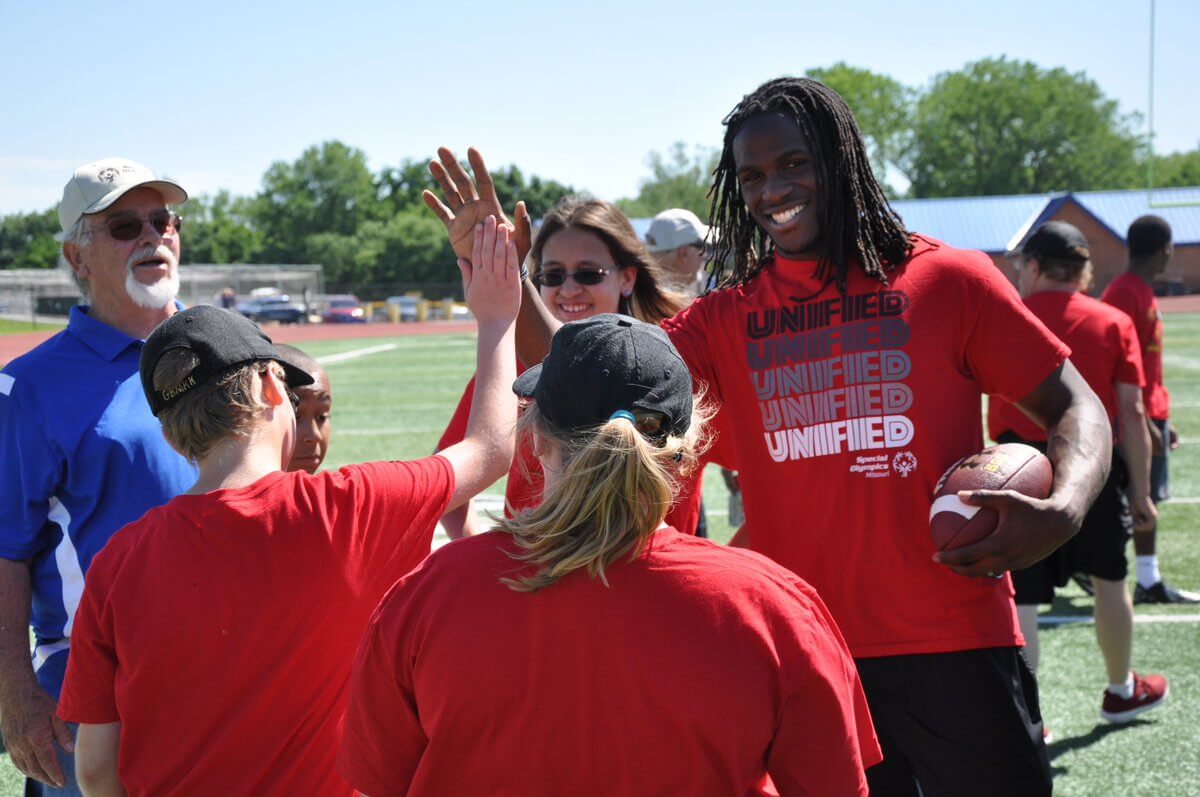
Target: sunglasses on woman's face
pixel 554 277
pixel 127 228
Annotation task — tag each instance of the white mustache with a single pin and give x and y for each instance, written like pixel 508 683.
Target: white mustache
pixel 146 253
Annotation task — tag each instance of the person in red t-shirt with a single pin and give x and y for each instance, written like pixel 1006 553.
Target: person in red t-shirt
pixel 587 260
pixel 1051 267
pixel 849 358
pixel 1150 250
pixel 214 639
pixel 586 647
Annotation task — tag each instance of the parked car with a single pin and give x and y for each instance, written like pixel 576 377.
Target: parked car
pixel 272 309
pixel 406 308
pixel 344 310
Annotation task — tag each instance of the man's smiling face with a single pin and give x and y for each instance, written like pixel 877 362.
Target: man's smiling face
pixel 778 178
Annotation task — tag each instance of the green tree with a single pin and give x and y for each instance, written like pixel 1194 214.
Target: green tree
pixel 1009 127
pixel 881 105
pixel 540 195
pixel 1177 170
pixel 677 180
pixel 219 229
pixel 328 189
pixel 27 240
pixel 400 187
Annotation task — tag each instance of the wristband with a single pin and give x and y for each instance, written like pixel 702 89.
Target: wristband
pixel 524 272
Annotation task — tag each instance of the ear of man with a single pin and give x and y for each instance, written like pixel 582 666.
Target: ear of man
pixel 74 256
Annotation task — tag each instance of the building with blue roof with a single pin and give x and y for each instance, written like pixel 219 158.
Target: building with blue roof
pixel 997 225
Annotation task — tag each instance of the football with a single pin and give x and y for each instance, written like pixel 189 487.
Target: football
pixel 1011 466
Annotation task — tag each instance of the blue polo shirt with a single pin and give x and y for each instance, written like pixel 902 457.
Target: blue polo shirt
pixel 80 456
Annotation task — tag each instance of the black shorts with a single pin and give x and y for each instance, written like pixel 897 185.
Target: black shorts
pixel 1098 549
pixel 963 723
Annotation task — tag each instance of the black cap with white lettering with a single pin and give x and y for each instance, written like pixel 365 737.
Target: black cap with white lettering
pixel 221 339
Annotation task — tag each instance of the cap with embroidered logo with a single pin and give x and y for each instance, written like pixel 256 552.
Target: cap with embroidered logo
pixel 221 339
pixel 96 186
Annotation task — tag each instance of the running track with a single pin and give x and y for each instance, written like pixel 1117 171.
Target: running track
pixel 15 345
pixel 12 346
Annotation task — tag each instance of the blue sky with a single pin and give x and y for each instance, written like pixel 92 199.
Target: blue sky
pixel 212 93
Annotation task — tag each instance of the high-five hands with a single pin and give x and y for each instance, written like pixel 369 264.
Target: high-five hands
pixel 491 278
pixel 465 205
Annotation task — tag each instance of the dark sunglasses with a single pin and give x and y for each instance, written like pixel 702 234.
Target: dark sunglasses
pixel 128 228
pixel 584 276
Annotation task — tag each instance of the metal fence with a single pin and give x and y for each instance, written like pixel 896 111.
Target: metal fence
pixel 29 293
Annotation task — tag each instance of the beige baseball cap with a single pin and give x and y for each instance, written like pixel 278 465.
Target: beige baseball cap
pixel 674 228
pixel 96 186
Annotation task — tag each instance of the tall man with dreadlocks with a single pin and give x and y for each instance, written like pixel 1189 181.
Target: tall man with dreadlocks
pixel 850 356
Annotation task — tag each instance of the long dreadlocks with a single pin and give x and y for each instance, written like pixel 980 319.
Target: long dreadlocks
pixel 857 223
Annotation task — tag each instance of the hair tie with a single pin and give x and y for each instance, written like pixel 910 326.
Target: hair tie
pixel 626 414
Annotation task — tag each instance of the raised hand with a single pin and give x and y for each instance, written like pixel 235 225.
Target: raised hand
pixel 491 278
pixel 468 203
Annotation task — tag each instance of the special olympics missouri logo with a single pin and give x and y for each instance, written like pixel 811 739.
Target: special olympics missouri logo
pixel 108 175
pixel 904 463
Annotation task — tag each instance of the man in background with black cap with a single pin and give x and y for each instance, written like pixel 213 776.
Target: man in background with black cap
pixel 1051 266
pixel 80 453
pixel 215 635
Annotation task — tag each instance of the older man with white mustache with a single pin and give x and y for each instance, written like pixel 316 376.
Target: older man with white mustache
pixel 80 453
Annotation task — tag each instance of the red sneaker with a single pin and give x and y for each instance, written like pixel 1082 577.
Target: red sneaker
pixel 1149 693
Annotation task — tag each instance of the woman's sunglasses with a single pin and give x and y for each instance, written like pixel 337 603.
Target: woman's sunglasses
pixel 128 228
pixel 555 277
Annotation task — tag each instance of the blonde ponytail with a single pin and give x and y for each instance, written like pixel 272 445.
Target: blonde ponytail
pixel 617 485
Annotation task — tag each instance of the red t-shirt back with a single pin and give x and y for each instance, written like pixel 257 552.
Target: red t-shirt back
pixel 842 412
pixel 1132 294
pixel 1104 348
pixel 220 628
pixel 695 671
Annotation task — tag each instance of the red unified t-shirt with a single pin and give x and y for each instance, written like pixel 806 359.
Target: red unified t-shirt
pixel 1135 297
pixel 220 628
pixel 1104 348
pixel 695 671
pixel 525 478
pixel 841 414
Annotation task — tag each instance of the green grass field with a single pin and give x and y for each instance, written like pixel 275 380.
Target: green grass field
pixel 10 327
pixel 395 404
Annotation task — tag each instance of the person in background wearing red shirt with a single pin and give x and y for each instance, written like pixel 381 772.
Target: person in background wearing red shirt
pixel 1150 249
pixel 1051 267
pixel 585 647
pixel 213 644
pixel 314 427
pixel 586 260
pixel 849 358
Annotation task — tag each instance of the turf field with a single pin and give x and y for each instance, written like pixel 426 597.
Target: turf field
pixel 393 397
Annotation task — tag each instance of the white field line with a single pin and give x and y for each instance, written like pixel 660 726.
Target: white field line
pixel 1051 619
pixel 1180 361
pixel 354 354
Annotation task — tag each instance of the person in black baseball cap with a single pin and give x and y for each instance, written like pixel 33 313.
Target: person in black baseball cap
pixel 257 582
pixel 218 341
pixel 611 363
pixel 592 615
